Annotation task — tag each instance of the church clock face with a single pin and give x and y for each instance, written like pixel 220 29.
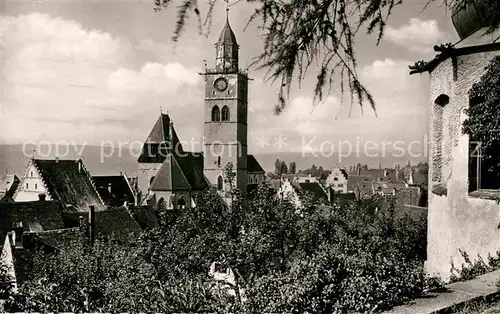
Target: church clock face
pixel 220 84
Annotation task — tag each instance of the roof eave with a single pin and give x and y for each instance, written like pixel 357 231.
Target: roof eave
pixel 430 65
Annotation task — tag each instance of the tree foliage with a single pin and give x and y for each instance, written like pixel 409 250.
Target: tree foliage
pixel 322 259
pixel 483 121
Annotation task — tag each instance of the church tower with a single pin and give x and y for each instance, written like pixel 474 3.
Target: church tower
pixel 226 112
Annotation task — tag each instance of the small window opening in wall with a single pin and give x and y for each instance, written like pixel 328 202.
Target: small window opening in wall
pixel 481 173
pixel 27 185
pixel 442 100
pixel 36 186
pixel 31 173
pixel 218 161
pixel 213 92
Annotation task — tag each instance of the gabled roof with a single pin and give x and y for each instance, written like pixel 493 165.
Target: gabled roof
pixel 253 165
pixel 33 215
pixel 69 182
pixel 314 189
pixel 121 190
pixel 180 173
pixel 8 186
pixel 161 139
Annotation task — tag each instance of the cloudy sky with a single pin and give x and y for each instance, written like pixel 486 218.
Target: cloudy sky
pixel 98 71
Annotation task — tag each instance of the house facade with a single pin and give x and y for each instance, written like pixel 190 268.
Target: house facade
pixel 462 214
pixel 337 180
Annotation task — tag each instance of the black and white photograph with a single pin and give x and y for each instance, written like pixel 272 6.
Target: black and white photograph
pixel 250 156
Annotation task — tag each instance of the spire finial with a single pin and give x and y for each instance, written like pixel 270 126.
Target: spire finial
pixel 161 110
pixel 227 10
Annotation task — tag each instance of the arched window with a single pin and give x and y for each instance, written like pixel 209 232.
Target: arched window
pixel 335 179
pixel 181 203
pixel 225 113
pixel 437 136
pixel 218 161
pixel 219 183
pixel 215 114
pixel 162 205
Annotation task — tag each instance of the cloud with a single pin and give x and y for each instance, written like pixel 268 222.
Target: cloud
pixel 417 36
pixel 401 104
pixel 64 82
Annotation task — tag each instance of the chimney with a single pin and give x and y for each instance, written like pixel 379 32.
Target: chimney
pixel 18 234
pixel 57 160
pixel 92 231
pixel 81 222
pixel 41 197
pixel 121 174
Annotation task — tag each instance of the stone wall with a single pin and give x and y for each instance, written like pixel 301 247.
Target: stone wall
pixel 145 172
pixel 456 220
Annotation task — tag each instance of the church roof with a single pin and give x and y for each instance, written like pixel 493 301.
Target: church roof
pixel 159 132
pixel 227 35
pixel 253 165
pixel 159 141
pixel 69 182
pixel 180 172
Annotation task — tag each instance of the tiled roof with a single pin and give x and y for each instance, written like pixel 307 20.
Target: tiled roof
pixel 253 165
pixel 145 216
pixel 44 214
pixel 113 221
pixel 362 182
pixel 313 189
pixel 180 173
pixel 387 187
pixel 8 187
pixel 159 142
pixel 344 196
pixel 121 190
pixel 69 183
pixel 46 241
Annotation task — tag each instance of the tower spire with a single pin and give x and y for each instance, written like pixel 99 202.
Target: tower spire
pixel 227 11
